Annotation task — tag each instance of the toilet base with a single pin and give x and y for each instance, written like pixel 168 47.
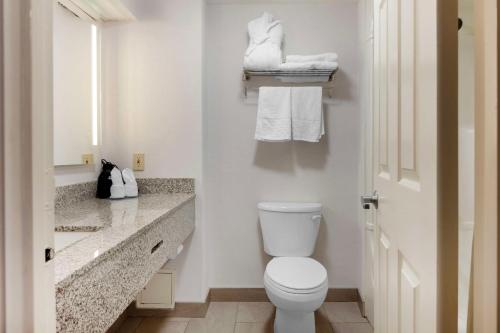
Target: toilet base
pixel 294 322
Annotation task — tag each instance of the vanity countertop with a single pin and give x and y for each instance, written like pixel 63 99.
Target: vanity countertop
pixel 113 223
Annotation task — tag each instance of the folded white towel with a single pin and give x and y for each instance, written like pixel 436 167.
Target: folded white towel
pixel 118 188
pixel 300 66
pixel 131 189
pixel 330 57
pixel 307 114
pixel 264 49
pixel 274 122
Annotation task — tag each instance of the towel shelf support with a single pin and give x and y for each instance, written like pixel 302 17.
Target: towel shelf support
pixel 257 79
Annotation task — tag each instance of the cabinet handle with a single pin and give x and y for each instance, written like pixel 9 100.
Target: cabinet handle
pixel 156 247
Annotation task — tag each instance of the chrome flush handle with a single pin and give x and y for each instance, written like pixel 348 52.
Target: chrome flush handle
pixel 366 200
pixel 316 218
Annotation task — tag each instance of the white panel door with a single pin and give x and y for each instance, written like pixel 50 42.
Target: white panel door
pixel 369 241
pixel 405 165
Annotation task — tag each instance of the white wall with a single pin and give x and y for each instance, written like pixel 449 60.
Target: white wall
pixel 239 172
pixel 152 87
pixel 76 174
pixel 152 101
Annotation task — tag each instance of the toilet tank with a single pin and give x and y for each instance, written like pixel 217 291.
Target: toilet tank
pixel 289 229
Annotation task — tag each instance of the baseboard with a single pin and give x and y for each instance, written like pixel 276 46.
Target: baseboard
pixel 199 310
pixel 238 295
pixel 259 295
pixel 343 295
pixel 361 305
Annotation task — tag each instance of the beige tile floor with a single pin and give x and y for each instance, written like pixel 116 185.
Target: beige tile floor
pixel 255 317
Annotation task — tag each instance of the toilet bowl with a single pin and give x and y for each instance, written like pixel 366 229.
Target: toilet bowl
pixel 297 286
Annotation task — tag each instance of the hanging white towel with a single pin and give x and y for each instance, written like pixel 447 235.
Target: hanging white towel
pixel 274 116
pixel 264 49
pixel 300 66
pixel 330 57
pixel 307 114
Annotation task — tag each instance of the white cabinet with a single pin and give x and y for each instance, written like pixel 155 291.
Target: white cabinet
pixel 159 292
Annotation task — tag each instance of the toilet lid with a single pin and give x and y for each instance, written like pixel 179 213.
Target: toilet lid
pixel 297 273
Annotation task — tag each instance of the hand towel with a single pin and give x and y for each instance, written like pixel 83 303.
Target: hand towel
pixel 274 115
pixel 307 114
pixel 264 50
pixel 329 57
pixel 301 66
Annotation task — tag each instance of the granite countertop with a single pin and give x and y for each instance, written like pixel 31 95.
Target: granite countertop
pixel 113 223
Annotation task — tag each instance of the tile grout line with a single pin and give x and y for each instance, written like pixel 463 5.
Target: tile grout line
pixel 237 315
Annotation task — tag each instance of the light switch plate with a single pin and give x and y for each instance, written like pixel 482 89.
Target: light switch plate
pixel 138 162
pixel 87 159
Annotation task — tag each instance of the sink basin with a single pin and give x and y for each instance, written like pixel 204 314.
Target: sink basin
pixel 63 239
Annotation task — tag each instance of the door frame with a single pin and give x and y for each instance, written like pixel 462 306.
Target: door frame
pixel 28 188
pixel 447 172
pixel 2 159
pixel 485 270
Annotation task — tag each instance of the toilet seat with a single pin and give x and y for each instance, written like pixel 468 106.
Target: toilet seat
pixel 296 275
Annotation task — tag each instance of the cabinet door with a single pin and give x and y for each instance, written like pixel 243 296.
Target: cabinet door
pixel 158 293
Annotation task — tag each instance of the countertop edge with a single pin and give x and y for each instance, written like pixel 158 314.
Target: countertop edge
pixel 68 279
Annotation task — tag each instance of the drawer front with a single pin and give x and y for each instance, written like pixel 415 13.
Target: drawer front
pixel 97 298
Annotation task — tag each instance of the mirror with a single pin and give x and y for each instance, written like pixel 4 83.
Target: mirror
pixel 76 88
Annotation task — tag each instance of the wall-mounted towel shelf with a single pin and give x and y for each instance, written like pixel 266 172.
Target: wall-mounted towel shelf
pixel 317 77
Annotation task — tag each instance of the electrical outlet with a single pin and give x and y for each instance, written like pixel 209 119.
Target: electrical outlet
pixel 87 159
pixel 138 162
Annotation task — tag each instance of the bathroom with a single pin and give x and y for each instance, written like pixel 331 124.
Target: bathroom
pixel 180 206
pixel 189 127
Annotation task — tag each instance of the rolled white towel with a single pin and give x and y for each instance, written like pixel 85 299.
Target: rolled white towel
pixel 332 57
pixel 131 189
pixel 118 188
pixel 298 66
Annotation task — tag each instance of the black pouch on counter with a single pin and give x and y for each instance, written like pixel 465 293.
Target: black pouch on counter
pixel 104 181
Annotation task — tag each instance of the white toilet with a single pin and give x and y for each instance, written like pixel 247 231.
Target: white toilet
pixel 295 284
